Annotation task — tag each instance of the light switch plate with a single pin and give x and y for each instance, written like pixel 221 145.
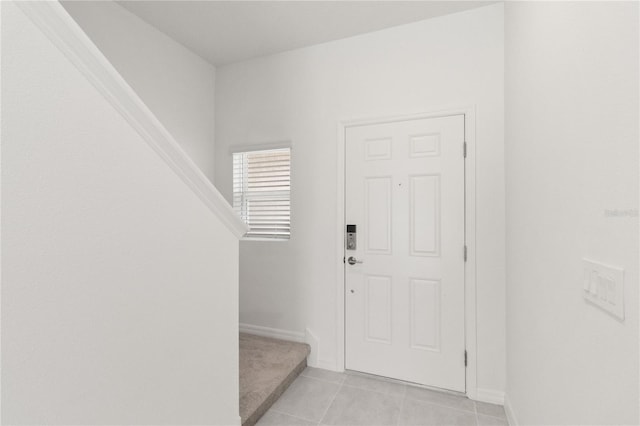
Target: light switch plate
pixel 603 286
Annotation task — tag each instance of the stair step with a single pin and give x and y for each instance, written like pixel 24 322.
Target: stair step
pixel 267 368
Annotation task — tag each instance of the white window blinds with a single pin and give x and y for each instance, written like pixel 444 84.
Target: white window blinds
pixel 261 192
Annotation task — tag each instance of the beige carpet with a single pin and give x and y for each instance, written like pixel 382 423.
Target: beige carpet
pixel 267 368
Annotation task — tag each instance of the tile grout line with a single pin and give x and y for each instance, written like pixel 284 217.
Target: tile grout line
pixel 331 403
pixel 447 392
pixel 492 416
pixel 404 398
pixel 323 380
pixel 302 418
pixel 475 408
pixel 422 401
pixel 404 395
pixel 290 415
pixel 375 391
pixel 343 383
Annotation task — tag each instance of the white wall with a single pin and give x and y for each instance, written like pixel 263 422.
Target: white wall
pixel 571 153
pixel 119 287
pixel 175 83
pixel 456 60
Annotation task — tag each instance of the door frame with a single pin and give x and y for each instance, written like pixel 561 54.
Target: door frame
pixel 470 233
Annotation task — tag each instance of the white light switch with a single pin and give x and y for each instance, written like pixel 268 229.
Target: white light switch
pixel 603 286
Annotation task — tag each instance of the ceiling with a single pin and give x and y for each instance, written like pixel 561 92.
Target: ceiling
pixel 223 32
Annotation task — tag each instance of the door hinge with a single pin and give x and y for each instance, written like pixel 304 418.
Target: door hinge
pixel 344 259
pixel 465 358
pixel 464 149
pixel 465 253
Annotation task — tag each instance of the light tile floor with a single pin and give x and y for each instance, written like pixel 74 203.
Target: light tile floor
pixel 321 397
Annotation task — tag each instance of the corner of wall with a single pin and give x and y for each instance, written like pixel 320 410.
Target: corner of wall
pixel 314 359
pixel 490 396
pixel 312 340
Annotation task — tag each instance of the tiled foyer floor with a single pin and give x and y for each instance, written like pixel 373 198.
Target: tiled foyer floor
pixel 321 397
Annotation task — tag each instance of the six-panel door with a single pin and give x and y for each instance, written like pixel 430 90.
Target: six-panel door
pixel 405 301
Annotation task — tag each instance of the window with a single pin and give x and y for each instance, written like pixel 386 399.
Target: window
pixel 261 192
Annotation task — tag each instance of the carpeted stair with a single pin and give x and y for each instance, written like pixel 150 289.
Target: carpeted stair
pixel 267 368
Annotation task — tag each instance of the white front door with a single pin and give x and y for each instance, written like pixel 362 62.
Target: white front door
pixel 405 301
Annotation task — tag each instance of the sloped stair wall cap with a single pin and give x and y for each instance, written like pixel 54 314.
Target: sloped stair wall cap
pixel 56 23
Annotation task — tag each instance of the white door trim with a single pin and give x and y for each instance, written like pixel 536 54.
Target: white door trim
pixel 470 234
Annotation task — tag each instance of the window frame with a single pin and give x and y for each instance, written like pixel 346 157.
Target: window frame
pixel 247 196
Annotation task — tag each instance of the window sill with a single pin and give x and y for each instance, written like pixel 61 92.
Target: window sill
pixel 263 240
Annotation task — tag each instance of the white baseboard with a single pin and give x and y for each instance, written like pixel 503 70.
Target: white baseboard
pixel 490 395
pixel 508 409
pixel 276 333
pixel 327 365
pixel 314 359
pixel 312 340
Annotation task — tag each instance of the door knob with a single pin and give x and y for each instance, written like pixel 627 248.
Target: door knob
pixel 352 260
